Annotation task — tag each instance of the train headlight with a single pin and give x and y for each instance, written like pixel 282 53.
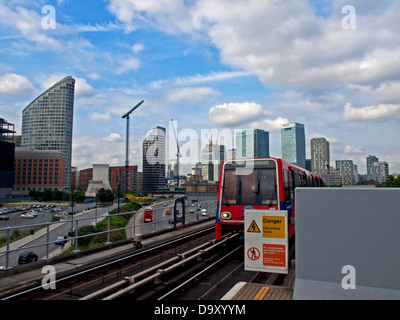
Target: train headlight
pixel 226 215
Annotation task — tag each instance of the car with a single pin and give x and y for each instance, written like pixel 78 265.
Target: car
pixel 33 213
pixel 61 240
pixel 27 257
pixel 27 216
pixel 4 218
pixel 204 212
pixel 191 211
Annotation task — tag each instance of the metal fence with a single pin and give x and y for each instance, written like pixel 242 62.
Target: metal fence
pixel 161 221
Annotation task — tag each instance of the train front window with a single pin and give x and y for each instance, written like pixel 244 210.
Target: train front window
pixel 259 187
pixel 229 192
pixel 269 190
pixel 250 188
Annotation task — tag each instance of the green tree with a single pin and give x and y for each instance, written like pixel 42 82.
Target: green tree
pixel 391 182
pixel 47 195
pixel 35 194
pixel 79 196
pixel 58 195
pixel 105 196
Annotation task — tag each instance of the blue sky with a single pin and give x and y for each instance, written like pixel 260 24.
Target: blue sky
pixel 213 65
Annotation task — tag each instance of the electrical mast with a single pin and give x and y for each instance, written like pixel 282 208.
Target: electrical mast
pixel 126 116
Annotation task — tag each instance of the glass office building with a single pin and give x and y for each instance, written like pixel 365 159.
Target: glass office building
pixel 294 143
pixel 252 144
pixel 154 161
pixel 48 120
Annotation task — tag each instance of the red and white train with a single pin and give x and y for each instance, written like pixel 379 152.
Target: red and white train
pixel 266 183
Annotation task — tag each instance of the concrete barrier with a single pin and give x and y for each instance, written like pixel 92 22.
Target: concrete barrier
pixel 347 243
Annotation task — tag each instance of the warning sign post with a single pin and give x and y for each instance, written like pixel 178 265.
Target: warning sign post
pixel 266 241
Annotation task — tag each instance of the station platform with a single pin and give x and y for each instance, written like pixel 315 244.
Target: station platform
pixel 258 291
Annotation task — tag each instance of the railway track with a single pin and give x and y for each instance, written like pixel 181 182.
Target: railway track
pixel 148 270
pixel 214 282
pixel 168 275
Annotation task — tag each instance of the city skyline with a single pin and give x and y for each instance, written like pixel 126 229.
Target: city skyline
pixel 233 65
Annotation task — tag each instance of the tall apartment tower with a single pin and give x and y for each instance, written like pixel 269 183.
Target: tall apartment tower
pixel 346 170
pixel 48 120
pixel 252 144
pixel 154 162
pixel 320 158
pixel 293 141
pixel 372 170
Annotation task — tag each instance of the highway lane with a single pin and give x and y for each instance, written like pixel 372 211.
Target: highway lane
pixel 161 220
pixel 59 229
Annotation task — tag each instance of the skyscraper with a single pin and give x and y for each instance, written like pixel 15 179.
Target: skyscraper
pixel 294 143
pixel 372 173
pixel 346 170
pixel 319 156
pixel 48 120
pixel 7 155
pixel 252 144
pixel 154 161
pixel 213 154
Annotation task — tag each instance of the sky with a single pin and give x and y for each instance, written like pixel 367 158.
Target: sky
pixel 214 67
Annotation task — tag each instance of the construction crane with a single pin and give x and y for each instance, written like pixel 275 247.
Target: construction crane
pixel 178 154
pixel 126 116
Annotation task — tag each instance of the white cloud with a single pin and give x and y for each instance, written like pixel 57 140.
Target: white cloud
pixel 370 112
pixel 170 16
pixel 189 95
pixel 100 116
pixel 318 135
pixel 113 137
pixel 233 114
pixel 110 26
pixel 283 43
pixel 270 124
pixel 15 85
pixel 28 23
pixel 212 77
pixel 348 149
pixel 137 47
pixel 127 65
pixel 83 89
pixel 197 79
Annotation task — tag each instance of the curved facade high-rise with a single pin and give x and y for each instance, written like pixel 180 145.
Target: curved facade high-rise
pixel 154 160
pixel 47 122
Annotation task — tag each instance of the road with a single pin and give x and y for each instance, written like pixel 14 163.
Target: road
pixel 162 220
pixel 59 229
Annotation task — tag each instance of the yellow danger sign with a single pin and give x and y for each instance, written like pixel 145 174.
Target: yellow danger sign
pixel 274 227
pixel 254 227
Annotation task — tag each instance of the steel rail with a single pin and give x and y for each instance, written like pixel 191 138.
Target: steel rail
pixel 108 263
pixel 184 258
pixel 199 273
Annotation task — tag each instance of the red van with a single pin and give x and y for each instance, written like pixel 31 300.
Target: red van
pixel 148 215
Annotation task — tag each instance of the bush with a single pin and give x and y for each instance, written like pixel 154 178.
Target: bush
pixel 129 207
pixel 116 222
pixel 84 231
